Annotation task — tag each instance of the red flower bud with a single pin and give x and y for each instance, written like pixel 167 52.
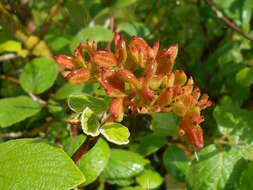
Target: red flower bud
pixel 165 60
pixel 129 77
pixel 79 76
pixel 120 51
pixel 104 59
pixel 165 97
pixel 65 61
pixel 116 110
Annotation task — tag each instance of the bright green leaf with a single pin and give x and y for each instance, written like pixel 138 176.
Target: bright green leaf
pixel 94 162
pixel 13 110
pixel 39 75
pixel 214 168
pixel 123 164
pixel 132 188
pixel 134 28
pixel 115 133
pixel 165 124
pixel 34 164
pixel 149 179
pixel 77 103
pixel 176 162
pixel 96 33
pixel 90 123
pixel 10 46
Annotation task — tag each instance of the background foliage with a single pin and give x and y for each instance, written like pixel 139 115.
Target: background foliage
pixel 33 102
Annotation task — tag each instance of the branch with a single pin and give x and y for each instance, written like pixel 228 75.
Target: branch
pixel 229 23
pixel 84 148
pixel 38 99
pixel 9 78
pixel 53 11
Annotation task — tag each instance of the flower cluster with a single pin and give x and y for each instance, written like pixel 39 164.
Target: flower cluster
pixel 140 78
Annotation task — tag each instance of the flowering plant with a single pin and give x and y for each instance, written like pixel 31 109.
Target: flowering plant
pixel 140 79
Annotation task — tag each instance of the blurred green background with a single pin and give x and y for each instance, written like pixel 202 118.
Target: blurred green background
pixel 215 41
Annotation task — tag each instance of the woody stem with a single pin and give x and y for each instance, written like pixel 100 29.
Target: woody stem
pixel 84 148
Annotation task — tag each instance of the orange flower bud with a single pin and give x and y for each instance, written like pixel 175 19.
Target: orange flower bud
pixel 165 59
pixel 120 51
pixel 180 78
pixel 65 61
pixel 129 77
pixel 104 59
pixel 165 97
pixel 116 110
pixel 79 76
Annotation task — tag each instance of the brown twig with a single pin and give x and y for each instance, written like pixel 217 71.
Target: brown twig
pixel 84 148
pixel 228 22
pixel 53 11
pixel 112 29
pixel 9 78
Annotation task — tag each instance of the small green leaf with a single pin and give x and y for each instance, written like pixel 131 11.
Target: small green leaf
pixel 77 103
pixel 149 179
pixel 96 33
pixel 34 164
pixel 94 162
pixel 214 168
pixel 176 162
pixel 115 133
pixel 246 182
pixel 165 124
pixel 150 144
pixel 10 46
pixel 39 75
pixel 123 164
pixel 13 110
pixel 67 89
pixel 90 123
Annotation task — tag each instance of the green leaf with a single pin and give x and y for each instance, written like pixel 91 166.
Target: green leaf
pixel 165 124
pixel 13 110
pixel 149 179
pixel 96 33
pixel 10 46
pixel 121 4
pixel 176 162
pixel 39 75
pixel 132 188
pixel 235 123
pixel 246 182
pixel 71 144
pixel 150 144
pixel 123 164
pixel 121 182
pixel 77 103
pixel 134 28
pixel 214 168
pixel 67 89
pixel 115 133
pixel 90 123
pixel 34 164
pixel 94 162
